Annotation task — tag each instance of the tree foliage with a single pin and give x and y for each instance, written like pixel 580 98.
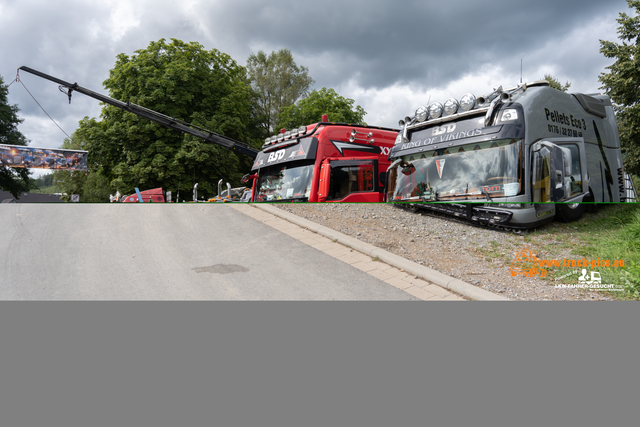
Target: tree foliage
pixel 279 82
pixel 44 181
pixel 183 80
pixel 555 83
pixel 622 84
pixel 13 180
pixel 324 101
pixel 91 185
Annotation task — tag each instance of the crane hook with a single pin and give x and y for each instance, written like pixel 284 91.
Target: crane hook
pixel 66 92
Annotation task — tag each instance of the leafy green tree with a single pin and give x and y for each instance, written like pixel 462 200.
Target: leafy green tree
pixel 183 80
pixel 44 181
pixel 622 84
pixel 91 185
pixel 554 83
pixel 44 184
pixel 279 82
pixel 13 180
pixel 324 101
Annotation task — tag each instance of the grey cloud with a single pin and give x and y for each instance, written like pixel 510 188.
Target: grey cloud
pixel 424 43
pixel 411 40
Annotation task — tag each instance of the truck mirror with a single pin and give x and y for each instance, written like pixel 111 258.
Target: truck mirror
pixel 383 178
pixel 248 177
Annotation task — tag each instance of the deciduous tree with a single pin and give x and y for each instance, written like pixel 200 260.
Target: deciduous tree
pixel 91 185
pixel 622 84
pixel 279 82
pixel 183 80
pixel 324 101
pixel 13 180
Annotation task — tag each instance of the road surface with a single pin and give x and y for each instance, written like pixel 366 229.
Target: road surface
pixel 166 252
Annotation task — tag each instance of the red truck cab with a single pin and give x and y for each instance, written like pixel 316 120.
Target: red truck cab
pixel 323 162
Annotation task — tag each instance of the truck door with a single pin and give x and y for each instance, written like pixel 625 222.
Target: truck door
pixel 559 171
pixel 349 181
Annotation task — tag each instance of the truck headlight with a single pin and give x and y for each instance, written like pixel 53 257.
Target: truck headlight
pixel 509 114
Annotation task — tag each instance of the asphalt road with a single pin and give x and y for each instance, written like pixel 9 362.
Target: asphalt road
pixel 165 252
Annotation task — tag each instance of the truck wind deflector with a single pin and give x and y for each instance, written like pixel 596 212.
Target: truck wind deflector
pixel 592 105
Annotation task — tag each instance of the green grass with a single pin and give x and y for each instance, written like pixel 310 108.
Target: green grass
pixel 493 252
pixel 613 233
pixel 46 190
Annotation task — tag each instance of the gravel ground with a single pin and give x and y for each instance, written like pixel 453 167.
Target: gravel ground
pixel 476 255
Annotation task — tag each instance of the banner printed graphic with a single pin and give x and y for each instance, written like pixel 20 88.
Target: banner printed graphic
pixel 17 156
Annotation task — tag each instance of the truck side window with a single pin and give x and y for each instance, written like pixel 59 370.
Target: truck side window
pixel 350 179
pixel 575 179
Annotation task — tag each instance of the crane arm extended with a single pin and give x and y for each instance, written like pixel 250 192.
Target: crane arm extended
pixel 170 122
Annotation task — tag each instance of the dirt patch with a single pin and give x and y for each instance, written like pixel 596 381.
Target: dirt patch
pixel 476 255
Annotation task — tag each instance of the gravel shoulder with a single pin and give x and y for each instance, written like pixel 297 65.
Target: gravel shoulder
pixel 476 255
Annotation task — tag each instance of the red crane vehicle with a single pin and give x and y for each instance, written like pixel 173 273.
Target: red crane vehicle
pixel 321 162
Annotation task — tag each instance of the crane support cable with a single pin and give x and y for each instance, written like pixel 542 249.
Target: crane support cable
pixel 154 116
pixel 36 101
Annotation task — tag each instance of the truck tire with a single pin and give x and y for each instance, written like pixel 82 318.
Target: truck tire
pixel 569 212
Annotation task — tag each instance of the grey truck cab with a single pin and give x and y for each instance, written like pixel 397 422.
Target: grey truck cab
pixel 517 157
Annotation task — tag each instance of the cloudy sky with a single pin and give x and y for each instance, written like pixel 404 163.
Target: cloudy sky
pixel 389 56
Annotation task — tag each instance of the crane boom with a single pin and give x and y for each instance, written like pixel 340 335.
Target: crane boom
pixel 154 116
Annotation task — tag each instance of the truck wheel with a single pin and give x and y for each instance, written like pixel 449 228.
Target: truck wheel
pixel 569 212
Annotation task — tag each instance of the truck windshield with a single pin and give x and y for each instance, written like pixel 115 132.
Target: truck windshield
pixel 473 171
pixel 284 182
